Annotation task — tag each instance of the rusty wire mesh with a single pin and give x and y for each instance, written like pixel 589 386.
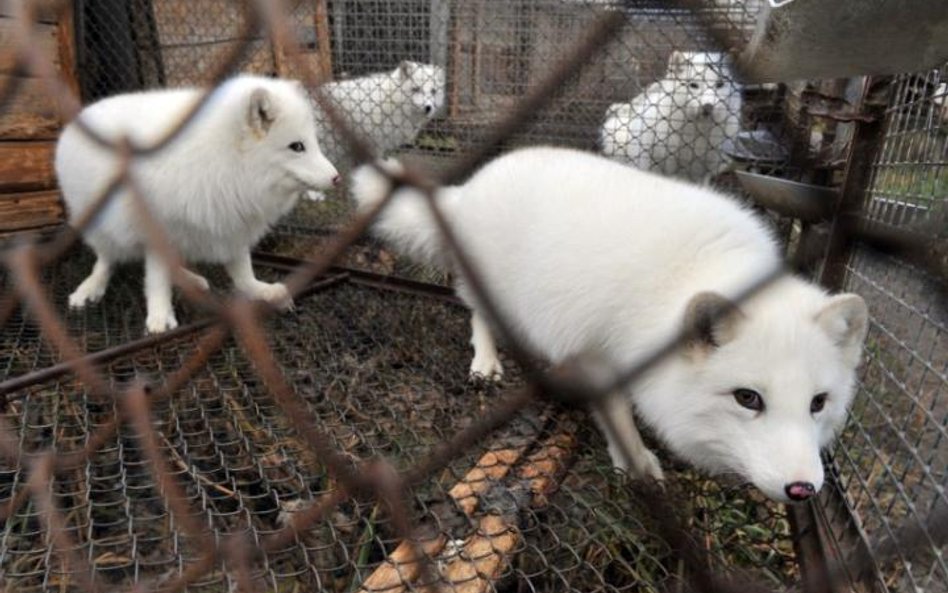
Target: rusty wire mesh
pixel 339 447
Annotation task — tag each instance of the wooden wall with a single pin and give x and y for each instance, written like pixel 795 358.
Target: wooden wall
pixel 195 35
pixel 29 126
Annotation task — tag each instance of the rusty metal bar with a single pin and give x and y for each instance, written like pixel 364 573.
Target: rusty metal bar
pixel 365 278
pixel 809 547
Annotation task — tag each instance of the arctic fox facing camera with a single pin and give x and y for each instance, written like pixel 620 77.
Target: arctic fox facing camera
pixel 388 109
pixel 678 125
pixel 215 189
pixel 616 262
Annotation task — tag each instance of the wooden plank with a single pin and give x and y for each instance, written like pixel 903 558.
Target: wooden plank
pixel 45 12
pixel 44 36
pixel 30 210
pixel 195 22
pixel 484 557
pixel 31 114
pixel 26 166
pixel 490 549
pixel 402 566
pixel 194 65
pixel 486 552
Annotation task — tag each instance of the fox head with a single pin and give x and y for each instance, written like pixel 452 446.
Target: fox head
pixel 703 88
pixel 279 137
pixel 763 386
pixel 424 84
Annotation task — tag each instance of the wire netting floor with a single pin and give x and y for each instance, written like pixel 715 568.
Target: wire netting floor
pixel 385 374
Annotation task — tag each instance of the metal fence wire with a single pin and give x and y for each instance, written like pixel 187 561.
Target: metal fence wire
pixel 340 447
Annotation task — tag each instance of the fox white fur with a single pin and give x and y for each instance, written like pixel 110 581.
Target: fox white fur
pixel 388 109
pixel 584 255
pixel 215 189
pixel 678 125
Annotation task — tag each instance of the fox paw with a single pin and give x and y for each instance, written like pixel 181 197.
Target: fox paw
pixel 157 323
pixel 86 294
pixel 647 466
pixel 486 369
pixel 198 280
pixel 276 294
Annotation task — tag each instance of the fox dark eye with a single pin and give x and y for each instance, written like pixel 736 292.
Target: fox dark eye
pixel 416 89
pixel 818 402
pixel 297 147
pixel 748 398
pixel 719 85
pixel 693 85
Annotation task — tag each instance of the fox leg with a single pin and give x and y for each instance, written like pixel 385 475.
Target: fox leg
pixel 240 270
pixel 160 315
pixel 486 362
pixel 93 287
pixel 625 438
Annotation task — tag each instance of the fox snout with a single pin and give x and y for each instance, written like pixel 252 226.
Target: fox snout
pixel 707 109
pixel 323 175
pixel 799 491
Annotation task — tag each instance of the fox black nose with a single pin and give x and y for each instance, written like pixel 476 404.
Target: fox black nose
pixel 707 108
pixel 336 180
pixel 428 109
pixel 799 490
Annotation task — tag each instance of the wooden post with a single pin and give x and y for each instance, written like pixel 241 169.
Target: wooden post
pixel 867 138
pixel 454 68
pixel 323 45
pixel 66 41
pixel 439 18
pixel 280 65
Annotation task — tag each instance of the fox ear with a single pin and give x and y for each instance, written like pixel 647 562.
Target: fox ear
pixel 405 69
pixel 676 61
pixel 712 321
pixel 845 318
pixel 261 112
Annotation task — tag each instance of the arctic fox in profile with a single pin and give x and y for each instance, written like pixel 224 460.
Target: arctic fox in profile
pixel 678 125
pixel 585 255
pixel 216 189
pixel 388 109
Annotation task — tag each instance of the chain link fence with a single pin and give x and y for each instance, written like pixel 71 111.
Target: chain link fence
pixel 340 447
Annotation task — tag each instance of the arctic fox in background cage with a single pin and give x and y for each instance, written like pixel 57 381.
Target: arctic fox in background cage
pixel 387 109
pixel 679 124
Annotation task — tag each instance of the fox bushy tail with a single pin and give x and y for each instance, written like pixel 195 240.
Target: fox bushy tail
pixel 406 222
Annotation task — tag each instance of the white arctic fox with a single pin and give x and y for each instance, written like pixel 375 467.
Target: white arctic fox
pixel 388 109
pixel 678 125
pixel 585 255
pixel 216 189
